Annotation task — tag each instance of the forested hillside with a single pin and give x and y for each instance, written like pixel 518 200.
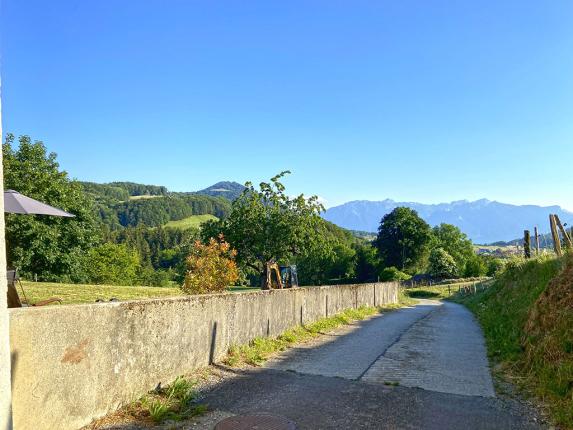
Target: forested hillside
pixel 119 204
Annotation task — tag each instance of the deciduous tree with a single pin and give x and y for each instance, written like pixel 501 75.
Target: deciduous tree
pixel 53 248
pixel 403 239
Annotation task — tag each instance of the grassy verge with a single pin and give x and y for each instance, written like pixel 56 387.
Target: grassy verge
pixel 261 349
pixel 527 319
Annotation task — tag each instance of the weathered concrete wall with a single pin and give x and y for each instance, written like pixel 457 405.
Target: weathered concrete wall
pixel 72 364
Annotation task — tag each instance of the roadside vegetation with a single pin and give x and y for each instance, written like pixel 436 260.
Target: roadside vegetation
pixel 175 402
pixel 260 349
pixel 527 320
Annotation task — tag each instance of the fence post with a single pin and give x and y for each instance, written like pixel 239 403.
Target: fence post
pixel 566 237
pixel 555 235
pixel 536 240
pixel 527 244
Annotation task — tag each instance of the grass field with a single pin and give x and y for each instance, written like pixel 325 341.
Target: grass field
pixel 194 221
pixel 84 293
pixel 143 197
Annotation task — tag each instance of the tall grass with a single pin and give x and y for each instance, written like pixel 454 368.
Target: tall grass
pixel 527 319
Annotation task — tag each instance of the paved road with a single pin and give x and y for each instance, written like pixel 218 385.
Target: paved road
pixel 423 367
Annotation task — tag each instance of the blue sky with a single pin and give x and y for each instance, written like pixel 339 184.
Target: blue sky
pixel 411 100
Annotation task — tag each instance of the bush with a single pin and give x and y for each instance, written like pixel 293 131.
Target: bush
pixel 390 274
pixel 442 264
pixel 210 268
pixel 112 264
pixel 476 266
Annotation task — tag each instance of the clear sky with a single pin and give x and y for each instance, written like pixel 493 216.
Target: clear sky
pixel 426 101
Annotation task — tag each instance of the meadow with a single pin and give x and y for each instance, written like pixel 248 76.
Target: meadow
pixel 194 221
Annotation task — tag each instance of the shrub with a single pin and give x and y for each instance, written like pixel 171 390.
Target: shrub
pixel 112 264
pixel 390 274
pixel 476 266
pixel 211 267
pixel 442 264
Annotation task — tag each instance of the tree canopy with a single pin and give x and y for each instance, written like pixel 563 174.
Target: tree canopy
pixel 51 247
pixel 266 224
pixel 451 239
pixel 403 239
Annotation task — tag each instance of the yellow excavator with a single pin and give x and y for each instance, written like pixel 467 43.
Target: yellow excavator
pixel 279 277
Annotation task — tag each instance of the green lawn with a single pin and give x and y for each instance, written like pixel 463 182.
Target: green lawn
pixel 82 293
pixel 194 221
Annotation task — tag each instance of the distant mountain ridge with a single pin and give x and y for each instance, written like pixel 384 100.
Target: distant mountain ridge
pixel 484 221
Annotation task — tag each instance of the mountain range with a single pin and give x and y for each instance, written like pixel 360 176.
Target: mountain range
pixel 484 221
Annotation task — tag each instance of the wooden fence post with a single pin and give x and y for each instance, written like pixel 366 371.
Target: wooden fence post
pixel 527 244
pixel 536 241
pixel 555 235
pixel 566 237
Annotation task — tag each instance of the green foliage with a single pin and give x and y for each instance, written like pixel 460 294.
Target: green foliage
pixel 476 266
pixel 105 191
pixel 134 189
pixel 176 402
pixel 367 263
pixel 403 240
pixel 112 264
pixel 495 266
pixel 451 239
pixel 161 210
pixel 442 265
pixel 51 247
pixel 194 221
pixel 390 274
pixel 334 262
pixel 266 224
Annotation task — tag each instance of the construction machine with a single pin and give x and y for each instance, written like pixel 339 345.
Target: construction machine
pixel 279 277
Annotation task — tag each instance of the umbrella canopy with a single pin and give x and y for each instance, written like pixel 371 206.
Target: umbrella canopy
pixel 16 203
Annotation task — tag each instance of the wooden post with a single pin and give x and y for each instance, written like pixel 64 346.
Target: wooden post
pixel 527 244
pixel 536 241
pixel 566 237
pixel 555 235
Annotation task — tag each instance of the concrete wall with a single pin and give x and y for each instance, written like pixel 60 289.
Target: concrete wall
pixel 74 363
pixel 5 412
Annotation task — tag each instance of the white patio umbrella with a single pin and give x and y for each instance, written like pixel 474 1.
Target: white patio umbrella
pixel 16 203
